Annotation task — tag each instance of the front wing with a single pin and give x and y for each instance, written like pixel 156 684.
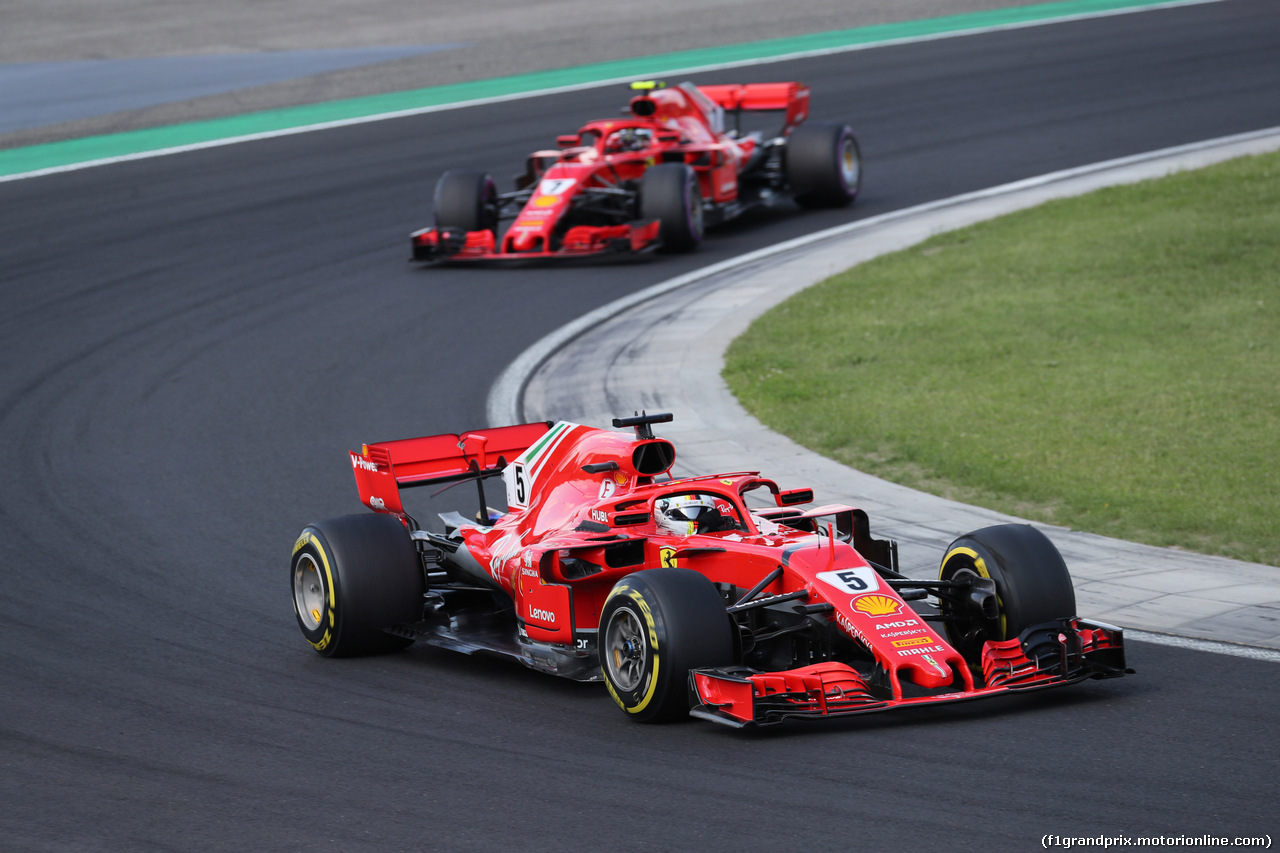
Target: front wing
pixel 1049 656
pixel 583 241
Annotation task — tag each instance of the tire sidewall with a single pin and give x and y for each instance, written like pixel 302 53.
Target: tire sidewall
pixel 671 194
pixel 643 700
pixel 463 200
pixel 846 139
pixel 372 580
pixel 815 165
pixel 693 207
pixel 687 628
pixel 1033 585
pixel 311 543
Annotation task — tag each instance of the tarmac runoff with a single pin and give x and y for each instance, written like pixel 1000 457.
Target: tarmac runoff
pixel 35 94
pixel 662 349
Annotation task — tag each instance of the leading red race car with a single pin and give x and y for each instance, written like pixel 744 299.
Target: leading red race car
pixel 678 593
pixel 652 179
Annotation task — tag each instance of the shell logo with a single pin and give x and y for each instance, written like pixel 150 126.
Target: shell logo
pixel 876 605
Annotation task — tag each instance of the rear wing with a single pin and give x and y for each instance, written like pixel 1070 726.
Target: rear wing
pixel 793 98
pixel 382 469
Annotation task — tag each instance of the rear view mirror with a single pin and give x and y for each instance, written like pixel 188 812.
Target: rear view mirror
pixel 791 497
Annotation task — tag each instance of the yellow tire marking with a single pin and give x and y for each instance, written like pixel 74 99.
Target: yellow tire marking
pixel 635 596
pixel 653 644
pixel 312 540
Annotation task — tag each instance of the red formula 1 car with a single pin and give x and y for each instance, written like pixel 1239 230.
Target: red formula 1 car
pixel 683 596
pixel 652 179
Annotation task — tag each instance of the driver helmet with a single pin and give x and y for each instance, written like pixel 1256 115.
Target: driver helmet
pixel 681 514
pixel 629 139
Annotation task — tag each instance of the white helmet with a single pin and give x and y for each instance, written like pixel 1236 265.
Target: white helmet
pixel 682 513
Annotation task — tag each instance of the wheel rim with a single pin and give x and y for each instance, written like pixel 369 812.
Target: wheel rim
pixel 850 163
pixel 695 210
pixel 308 592
pixel 625 649
pixel 969 635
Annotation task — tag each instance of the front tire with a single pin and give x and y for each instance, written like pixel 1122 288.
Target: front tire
pixel 657 625
pixel 466 200
pixel 1032 584
pixel 669 193
pixel 824 165
pixel 352 577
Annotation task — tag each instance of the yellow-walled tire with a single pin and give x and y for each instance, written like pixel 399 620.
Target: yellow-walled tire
pixel 657 625
pixel 352 577
pixel 1032 584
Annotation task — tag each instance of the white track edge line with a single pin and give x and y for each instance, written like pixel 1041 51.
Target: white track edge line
pixel 1216 647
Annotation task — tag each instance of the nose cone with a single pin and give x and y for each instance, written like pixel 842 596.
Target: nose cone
pixel 868 609
pixel 526 241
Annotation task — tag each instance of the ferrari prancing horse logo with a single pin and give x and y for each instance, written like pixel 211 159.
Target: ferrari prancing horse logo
pixel 667 557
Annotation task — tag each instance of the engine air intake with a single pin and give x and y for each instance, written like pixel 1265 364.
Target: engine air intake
pixel 650 458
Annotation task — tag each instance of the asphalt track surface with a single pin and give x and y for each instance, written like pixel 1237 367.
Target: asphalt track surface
pixel 190 344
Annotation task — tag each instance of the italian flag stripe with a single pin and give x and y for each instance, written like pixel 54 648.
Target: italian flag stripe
pixel 559 433
pixel 532 453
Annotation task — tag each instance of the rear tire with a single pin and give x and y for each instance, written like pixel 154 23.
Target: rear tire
pixel 466 200
pixel 657 625
pixel 824 165
pixel 669 193
pixel 1032 584
pixel 352 577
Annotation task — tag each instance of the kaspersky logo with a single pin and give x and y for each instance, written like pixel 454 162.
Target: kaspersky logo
pixel 876 605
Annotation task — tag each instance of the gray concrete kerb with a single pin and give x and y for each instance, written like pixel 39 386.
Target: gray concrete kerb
pixel 662 349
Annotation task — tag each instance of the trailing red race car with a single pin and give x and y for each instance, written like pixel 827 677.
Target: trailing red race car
pixel 652 179
pixel 678 593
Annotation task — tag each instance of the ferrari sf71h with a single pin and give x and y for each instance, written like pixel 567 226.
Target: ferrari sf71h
pixel 652 179
pixel 685 596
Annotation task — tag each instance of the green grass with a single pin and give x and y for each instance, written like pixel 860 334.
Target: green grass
pixel 1109 363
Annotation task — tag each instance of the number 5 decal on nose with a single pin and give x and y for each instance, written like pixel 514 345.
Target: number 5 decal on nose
pixel 857 579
